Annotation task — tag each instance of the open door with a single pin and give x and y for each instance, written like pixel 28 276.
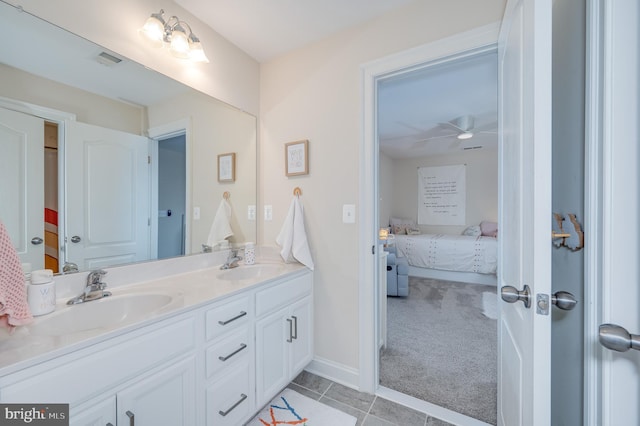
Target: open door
pixel 108 197
pixel 524 274
pixel 22 183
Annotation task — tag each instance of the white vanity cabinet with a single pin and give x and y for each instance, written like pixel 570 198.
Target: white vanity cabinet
pixel 284 335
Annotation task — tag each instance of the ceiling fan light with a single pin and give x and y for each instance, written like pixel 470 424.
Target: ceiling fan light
pixel 465 135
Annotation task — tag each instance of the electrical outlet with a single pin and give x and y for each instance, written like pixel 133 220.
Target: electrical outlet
pixel 268 212
pixel 196 213
pixel 251 212
pixel 349 213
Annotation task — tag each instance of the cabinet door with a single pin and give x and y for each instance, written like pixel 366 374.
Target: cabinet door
pixel 301 349
pixel 99 414
pixel 166 397
pixel 272 355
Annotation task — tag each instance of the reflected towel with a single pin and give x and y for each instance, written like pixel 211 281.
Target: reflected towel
pixel 14 309
pixel 221 226
pixel 293 238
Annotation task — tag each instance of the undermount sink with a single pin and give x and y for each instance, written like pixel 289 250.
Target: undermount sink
pixel 101 313
pixel 248 272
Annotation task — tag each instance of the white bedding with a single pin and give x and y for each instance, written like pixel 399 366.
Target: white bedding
pixel 450 252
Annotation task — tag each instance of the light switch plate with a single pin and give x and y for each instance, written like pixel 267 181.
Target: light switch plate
pixel 251 212
pixel 196 213
pixel 349 213
pixel 268 212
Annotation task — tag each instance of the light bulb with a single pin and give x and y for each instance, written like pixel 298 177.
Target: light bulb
pixel 465 135
pixel 179 43
pixel 196 53
pixel 153 31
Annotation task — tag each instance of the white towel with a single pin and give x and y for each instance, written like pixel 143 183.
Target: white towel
pixel 293 238
pixel 221 226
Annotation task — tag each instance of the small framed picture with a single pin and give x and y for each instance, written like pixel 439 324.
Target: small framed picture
pixel 296 158
pixel 227 167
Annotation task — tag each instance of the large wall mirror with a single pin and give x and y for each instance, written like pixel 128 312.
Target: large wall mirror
pixel 105 162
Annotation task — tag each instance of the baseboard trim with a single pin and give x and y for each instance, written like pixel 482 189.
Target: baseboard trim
pixel 464 277
pixel 339 373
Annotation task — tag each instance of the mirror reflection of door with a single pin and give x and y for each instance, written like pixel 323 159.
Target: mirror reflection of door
pixel 172 184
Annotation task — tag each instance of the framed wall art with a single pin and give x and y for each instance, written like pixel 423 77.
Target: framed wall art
pixel 296 158
pixel 227 167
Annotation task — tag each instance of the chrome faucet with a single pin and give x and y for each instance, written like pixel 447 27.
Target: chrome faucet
pixel 232 260
pixel 94 290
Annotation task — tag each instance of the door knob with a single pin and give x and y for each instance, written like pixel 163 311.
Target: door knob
pixel 617 338
pixel 36 241
pixel 564 300
pixel 75 239
pixel 511 295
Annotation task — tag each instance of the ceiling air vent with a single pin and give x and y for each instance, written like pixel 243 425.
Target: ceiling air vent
pixel 108 59
pixel 472 147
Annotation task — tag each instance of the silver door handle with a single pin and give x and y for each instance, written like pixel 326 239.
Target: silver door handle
pixel 511 295
pixel 36 241
pixel 132 418
pixel 564 300
pixel 617 338
pixel 75 239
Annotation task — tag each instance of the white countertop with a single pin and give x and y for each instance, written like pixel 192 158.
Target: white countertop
pixel 188 289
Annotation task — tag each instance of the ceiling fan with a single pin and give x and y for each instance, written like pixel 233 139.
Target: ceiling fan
pixel 461 128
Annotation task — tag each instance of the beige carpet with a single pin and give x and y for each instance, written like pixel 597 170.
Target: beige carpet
pixel 441 348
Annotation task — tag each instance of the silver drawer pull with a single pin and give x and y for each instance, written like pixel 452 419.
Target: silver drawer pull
pixel 295 327
pixel 224 358
pixel 240 315
pixel 290 321
pixel 242 398
pixel 132 418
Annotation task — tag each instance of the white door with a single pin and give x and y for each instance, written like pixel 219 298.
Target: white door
pixel 616 393
pixel 22 183
pixel 108 197
pixel 524 337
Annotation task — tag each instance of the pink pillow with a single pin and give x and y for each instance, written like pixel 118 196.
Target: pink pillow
pixel 489 229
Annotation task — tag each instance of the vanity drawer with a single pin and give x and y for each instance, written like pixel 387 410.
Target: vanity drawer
pixel 229 351
pixel 283 294
pixel 232 314
pixel 230 401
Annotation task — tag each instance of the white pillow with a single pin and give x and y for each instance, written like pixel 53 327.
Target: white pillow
pixel 472 231
pixel 399 221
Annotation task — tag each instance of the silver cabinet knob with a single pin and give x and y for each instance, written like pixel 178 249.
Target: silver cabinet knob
pixel 511 295
pixel 36 241
pixel 564 300
pixel 617 338
pixel 75 239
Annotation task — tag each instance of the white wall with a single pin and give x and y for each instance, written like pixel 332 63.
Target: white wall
pixel 232 76
pixel 481 186
pixel 315 93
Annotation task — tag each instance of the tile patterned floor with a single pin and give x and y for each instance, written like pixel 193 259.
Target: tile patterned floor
pixel 370 410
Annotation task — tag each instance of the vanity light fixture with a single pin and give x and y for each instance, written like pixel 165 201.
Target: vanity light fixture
pixel 182 43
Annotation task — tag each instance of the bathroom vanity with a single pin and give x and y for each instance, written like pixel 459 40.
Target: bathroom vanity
pixel 212 347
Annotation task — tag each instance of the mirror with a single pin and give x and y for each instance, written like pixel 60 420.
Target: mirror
pixel 95 195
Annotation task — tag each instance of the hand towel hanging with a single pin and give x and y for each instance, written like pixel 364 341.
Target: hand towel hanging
pixel 293 237
pixel 221 226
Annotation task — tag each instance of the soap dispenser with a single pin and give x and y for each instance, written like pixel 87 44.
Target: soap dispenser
pixel 249 254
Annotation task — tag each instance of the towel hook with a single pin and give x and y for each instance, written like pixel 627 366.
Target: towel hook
pixel 226 195
pixel 297 191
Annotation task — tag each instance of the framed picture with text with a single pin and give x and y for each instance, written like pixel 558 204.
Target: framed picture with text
pixel 227 167
pixel 296 158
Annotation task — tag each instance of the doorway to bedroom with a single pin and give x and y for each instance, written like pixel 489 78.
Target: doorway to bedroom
pixel 437 213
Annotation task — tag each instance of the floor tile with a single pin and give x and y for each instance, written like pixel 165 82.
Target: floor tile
pixel 372 420
pixel 360 400
pixel 304 391
pixel 312 382
pixel 396 413
pixel 432 421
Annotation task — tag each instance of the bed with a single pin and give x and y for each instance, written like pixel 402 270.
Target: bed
pixel 464 258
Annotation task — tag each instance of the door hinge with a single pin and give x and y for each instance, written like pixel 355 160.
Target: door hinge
pixel 148 159
pixel 373 249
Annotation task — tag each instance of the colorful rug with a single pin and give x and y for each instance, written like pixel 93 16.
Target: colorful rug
pixel 291 408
